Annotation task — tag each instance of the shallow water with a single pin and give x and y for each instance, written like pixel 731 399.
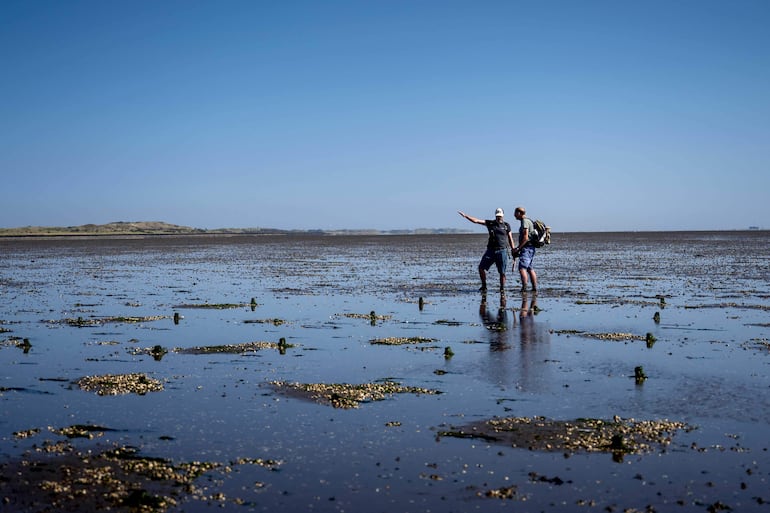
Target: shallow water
pixel 708 366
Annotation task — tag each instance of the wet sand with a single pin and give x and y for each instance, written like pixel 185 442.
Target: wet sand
pixel 368 373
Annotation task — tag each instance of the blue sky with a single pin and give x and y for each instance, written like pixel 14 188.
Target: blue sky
pixel 386 114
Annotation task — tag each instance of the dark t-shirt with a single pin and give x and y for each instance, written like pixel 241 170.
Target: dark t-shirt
pixel 498 234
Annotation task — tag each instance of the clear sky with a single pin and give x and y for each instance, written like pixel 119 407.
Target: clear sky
pixel 386 114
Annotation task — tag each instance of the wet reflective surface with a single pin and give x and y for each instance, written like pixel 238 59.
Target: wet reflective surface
pixel 511 356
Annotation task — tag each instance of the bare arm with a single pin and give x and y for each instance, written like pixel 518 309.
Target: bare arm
pixel 523 239
pixel 471 218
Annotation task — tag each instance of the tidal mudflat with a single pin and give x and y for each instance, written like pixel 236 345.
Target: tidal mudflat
pixel 362 373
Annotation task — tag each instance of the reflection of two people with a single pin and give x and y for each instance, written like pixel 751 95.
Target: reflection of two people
pixel 499 324
pixel 534 339
pixel 526 368
pixel 527 319
pixel 496 323
pixel 515 363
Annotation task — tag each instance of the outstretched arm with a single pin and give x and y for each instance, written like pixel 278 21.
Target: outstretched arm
pixel 471 218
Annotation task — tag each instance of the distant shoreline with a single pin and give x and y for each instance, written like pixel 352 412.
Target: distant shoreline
pixel 143 229
pixel 151 229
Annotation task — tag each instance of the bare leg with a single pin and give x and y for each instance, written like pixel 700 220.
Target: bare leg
pixel 483 276
pixel 533 275
pixel 524 278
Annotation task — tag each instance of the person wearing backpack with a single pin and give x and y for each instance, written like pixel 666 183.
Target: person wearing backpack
pixel 525 250
pixel 500 239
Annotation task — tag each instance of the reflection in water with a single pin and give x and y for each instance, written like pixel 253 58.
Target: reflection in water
pixel 498 324
pixel 527 325
pixel 533 342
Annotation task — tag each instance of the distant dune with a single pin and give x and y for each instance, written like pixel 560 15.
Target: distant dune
pixel 117 228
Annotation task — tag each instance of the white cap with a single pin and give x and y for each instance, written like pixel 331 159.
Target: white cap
pixel 499 212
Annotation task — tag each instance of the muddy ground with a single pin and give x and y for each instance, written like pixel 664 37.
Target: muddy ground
pixel 368 373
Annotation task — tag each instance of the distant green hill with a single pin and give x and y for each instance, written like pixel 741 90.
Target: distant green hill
pixel 117 228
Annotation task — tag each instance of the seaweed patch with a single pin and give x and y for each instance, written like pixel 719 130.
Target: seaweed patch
pixel 729 305
pixel 369 317
pixel 246 347
pixel 213 306
pixel 56 477
pixel 757 344
pixel 23 344
pixel 347 396
pixel 120 384
pixel 397 341
pixel 617 436
pixel 274 322
pixel 601 336
pixel 81 322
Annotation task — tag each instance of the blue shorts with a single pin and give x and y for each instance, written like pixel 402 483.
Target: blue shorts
pixel 499 257
pixel 526 254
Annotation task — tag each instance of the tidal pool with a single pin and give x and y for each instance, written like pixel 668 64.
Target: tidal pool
pixel 222 326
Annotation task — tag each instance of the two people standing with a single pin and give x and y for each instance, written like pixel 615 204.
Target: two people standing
pixel 500 239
